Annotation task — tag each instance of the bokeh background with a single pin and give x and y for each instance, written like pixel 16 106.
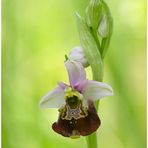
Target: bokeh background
pixel 36 34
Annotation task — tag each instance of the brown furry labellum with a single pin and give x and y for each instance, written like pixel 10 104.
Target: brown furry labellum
pixel 76 120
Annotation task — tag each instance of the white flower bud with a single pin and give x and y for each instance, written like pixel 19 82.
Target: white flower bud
pixel 103 28
pixel 77 55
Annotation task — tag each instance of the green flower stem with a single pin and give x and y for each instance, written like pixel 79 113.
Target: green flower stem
pixel 91 47
pixel 92 139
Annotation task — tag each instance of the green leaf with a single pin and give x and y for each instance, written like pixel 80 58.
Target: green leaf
pixel 90 48
pixel 92 140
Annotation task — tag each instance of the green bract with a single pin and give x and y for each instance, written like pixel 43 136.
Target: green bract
pixel 90 48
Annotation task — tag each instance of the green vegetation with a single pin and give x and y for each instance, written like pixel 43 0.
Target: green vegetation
pixel 35 37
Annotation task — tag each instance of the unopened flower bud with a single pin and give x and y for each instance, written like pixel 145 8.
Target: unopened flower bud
pixel 93 13
pixel 103 28
pixel 77 55
pixel 106 22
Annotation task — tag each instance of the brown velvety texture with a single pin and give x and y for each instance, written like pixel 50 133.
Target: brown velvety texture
pixel 76 127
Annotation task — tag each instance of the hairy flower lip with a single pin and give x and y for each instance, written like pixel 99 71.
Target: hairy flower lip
pixel 82 126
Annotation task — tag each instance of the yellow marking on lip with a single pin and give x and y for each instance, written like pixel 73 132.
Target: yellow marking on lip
pixel 75 134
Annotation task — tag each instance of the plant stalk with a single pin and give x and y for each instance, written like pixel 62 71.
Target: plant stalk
pixel 92 140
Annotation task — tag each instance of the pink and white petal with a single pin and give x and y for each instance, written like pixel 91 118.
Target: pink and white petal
pixel 76 72
pixel 80 86
pixel 94 90
pixel 53 99
pixel 62 85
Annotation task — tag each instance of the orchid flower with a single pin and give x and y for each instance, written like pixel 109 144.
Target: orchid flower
pixel 77 113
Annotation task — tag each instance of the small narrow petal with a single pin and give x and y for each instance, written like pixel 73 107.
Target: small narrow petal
pixel 96 90
pixel 53 99
pixel 62 85
pixel 76 72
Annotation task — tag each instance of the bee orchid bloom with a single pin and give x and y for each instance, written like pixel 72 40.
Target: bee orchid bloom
pixel 77 114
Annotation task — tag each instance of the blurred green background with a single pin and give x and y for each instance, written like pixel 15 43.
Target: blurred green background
pixel 35 37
